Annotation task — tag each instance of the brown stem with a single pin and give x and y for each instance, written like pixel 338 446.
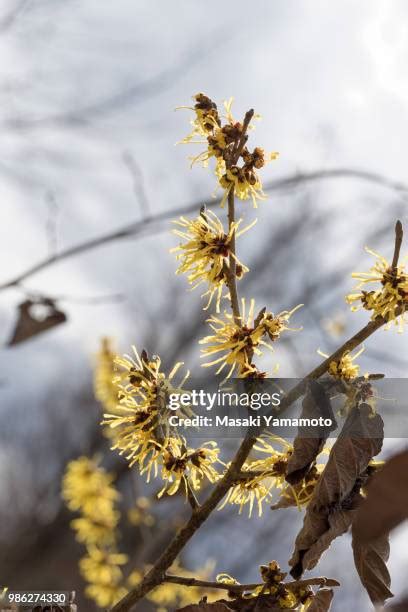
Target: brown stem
pixel 243 138
pixel 399 234
pixel 232 268
pixel 239 588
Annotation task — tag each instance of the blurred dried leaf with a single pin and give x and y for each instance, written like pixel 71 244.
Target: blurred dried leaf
pixel 321 601
pixel 337 493
pixel 386 505
pixel 370 560
pixel 309 441
pixel 30 323
pixel 398 606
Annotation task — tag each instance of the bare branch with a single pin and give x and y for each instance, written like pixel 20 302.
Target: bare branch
pixel 155 224
pixel 399 234
pixel 239 588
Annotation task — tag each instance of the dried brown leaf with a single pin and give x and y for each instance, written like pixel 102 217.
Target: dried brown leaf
pixel 30 324
pixel 321 602
pixel 370 560
pixel 386 505
pixel 338 523
pixel 337 493
pixel 359 441
pixel 310 440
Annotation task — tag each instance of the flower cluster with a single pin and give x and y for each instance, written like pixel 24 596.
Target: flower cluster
pixel 260 475
pixel 206 252
pixel 142 427
pixel 390 300
pixel 236 166
pixel 105 390
pixel 139 514
pixel 273 591
pixel 234 344
pixel 344 368
pixel 87 488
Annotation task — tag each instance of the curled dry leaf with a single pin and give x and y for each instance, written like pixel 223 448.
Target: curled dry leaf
pixel 386 505
pixel 321 602
pixel 310 440
pixel 337 494
pixel 370 560
pixel 31 323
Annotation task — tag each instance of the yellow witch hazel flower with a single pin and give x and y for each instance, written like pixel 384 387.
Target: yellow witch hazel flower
pixel 141 417
pixel 238 342
pixel 143 432
pixel 390 301
pixel 205 254
pixel 189 466
pixel 260 476
pixel 101 569
pixel 87 488
pixel 344 368
pixel 106 391
pixel 226 143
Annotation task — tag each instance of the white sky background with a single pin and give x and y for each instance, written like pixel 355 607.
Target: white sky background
pixel 329 79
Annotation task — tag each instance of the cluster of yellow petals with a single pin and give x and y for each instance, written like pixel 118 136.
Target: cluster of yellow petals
pixel 344 368
pixel 390 300
pixel 260 475
pixel 234 344
pixel 87 489
pixel 280 595
pixel 106 392
pixel 204 255
pixel 222 143
pixel 143 435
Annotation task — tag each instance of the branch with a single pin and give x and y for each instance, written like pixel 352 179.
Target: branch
pixel 399 234
pixel 152 225
pixel 232 268
pixel 239 588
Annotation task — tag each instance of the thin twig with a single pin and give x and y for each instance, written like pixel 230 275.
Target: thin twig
pixel 399 234
pixel 138 184
pixel 154 224
pixel 232 268
pixel 243 138
pixel 239 588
